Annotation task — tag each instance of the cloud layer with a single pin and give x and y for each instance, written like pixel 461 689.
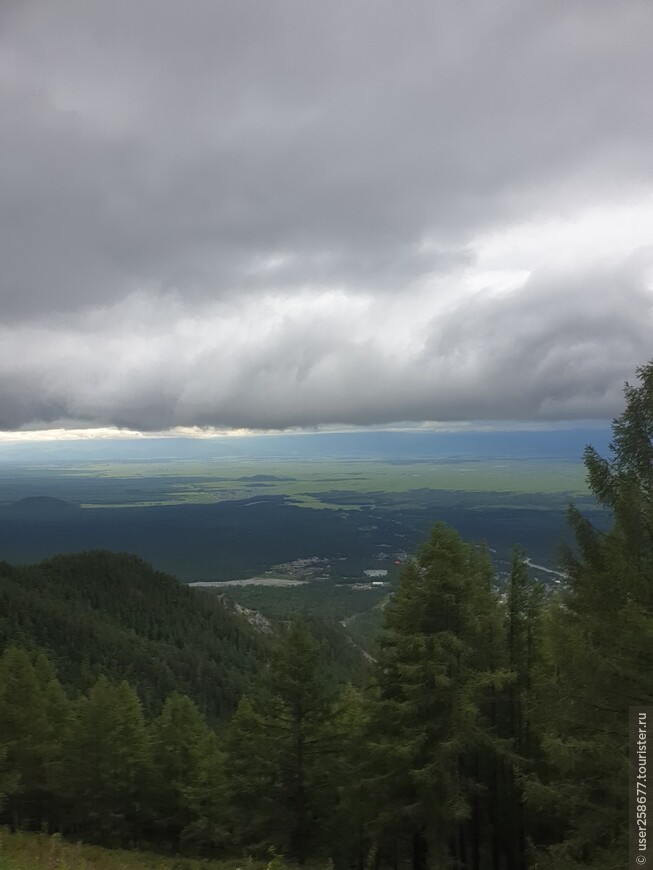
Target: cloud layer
pixel 283 214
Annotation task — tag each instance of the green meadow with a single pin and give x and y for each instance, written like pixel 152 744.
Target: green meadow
pixel 310 484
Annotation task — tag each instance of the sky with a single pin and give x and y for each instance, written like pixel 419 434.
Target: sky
pixel 271 214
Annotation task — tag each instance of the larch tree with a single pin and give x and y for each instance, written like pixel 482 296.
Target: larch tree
pixel 183 752
pixel 602 641
pixel 438 676
pixel 30 744
pixel 278 751
pixel 108 764
pixel 523 616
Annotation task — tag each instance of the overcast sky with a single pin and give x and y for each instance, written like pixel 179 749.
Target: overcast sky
pixel 272 214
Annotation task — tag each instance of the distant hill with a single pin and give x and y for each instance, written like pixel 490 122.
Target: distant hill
pixel 41 504
pixel 100 612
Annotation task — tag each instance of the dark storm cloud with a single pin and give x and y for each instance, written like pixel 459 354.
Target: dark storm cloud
pixel 273 214
pixel 559 347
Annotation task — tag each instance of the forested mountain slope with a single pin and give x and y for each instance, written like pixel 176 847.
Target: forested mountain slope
pixel 105 613
pixel 110 613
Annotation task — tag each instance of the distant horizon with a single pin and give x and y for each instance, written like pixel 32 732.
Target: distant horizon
pixel 521 440
pixel 54 435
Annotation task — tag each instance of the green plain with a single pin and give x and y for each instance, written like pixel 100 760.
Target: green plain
pixel 315 484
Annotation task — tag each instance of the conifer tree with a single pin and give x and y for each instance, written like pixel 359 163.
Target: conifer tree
pixel 280 790
pixel 437 677
pixel 348 832
pixel 602 642
pixel 108 766
pixel 8 778
pixel 58 716
pixel 30 744
pixel 184 755
pixel 523 631
pixel 204 800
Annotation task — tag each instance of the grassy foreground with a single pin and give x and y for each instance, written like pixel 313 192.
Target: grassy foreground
pixel 22 851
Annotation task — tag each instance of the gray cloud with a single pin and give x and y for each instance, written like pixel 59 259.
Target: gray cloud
pixel 274 214
pixel 559 347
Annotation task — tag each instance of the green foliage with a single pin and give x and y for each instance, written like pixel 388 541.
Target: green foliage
pixel 107 764
pixel 323 599
pixel 203 800
pixel 278 749
pixel 523 620
pixel 433 734
pixel 105 613
pixel 33 723
pixel 348 834
pixel 8 777
pixel 189 778
pixel 601 637
pixel 92 768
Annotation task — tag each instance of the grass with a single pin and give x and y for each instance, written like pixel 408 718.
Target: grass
pixel 306 483
pixel 23 851
pixel 309 501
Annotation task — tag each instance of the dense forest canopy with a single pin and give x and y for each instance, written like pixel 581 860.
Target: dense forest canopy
pixel 109 614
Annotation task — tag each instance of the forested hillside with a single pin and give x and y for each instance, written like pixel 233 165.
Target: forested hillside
pixel 104 613
pixel 492 733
